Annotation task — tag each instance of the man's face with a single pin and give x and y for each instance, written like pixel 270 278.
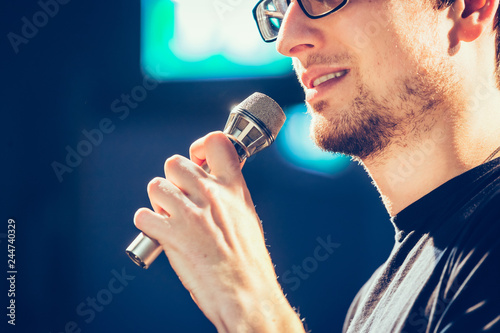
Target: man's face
pixel 375 74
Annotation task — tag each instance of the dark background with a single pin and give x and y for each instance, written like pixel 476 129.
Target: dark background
pixel 71 235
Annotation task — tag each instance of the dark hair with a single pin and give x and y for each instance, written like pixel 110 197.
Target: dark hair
pixel 440 4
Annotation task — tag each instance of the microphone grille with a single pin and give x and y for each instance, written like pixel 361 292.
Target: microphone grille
pixel 266 110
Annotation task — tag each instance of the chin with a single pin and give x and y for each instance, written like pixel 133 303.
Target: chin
pixel 344 133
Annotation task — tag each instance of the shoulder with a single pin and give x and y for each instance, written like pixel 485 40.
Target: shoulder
pixel 469 286
pixel 479 207
pixel 357 301
pixel 483 213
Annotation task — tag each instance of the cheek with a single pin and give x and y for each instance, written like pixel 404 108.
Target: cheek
pixel 383 66
pixel 377 43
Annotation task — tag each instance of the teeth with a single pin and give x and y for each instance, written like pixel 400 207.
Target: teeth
pixel 327 77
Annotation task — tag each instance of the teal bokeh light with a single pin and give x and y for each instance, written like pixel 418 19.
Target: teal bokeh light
pixel 297 148
pixel 202 40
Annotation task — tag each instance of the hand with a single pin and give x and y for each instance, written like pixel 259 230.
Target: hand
pixel 213 238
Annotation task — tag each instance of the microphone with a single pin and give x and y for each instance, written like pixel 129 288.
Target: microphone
pixel 252 126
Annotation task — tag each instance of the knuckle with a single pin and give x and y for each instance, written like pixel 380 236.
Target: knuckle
pixel 213 137
pixel 173 161
pixel 140 216
pixel 154 184
pixel 195 144
pixel 217 133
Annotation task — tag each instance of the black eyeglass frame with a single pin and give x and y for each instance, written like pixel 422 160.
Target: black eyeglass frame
pixel 254 11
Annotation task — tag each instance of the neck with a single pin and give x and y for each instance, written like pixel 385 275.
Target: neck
pixel 403 173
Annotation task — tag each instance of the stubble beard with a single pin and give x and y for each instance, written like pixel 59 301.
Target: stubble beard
pixel 363 129
pixel 369 125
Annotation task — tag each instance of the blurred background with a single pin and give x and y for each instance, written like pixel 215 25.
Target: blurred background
pixel 95 96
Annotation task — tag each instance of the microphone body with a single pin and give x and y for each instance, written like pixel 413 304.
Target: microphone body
pixel 252 126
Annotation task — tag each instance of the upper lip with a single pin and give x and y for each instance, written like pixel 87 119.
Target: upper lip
pixel 312 74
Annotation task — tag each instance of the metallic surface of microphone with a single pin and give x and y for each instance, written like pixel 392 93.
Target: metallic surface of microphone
pixel 252 126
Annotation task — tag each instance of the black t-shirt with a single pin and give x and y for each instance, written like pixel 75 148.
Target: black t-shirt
pixel 443 274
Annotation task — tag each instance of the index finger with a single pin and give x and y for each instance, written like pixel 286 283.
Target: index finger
pixel 221 151
pixel 196 151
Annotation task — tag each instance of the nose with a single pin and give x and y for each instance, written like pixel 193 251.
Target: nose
pixel 298 34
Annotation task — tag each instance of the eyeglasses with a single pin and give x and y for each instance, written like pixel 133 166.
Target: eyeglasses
pixel 270 13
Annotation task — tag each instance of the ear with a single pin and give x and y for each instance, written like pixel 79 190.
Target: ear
pixel 473 17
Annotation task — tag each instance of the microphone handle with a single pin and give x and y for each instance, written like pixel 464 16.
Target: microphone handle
pixel 144 250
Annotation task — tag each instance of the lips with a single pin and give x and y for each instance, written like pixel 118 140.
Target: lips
pixel 327 77
pixel 315 77
pixel 323 82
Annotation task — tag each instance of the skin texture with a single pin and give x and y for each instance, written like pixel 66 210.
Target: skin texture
pixel 409 108
pixel 214 241
pixel 417 107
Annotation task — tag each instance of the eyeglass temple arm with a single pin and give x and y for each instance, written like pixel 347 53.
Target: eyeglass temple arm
pixel 277 15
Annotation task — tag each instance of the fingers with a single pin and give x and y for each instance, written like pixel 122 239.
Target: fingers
pixel 197 152
pixel 152 224
pixel 186 186
pixel 184 174
pixel 165 197
pixel 219 153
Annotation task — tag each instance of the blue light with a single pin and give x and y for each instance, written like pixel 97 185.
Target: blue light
pixel 200 39
pixel 296 146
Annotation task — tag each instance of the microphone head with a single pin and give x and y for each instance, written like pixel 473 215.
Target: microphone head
pixel 266 110
pixel 254 124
